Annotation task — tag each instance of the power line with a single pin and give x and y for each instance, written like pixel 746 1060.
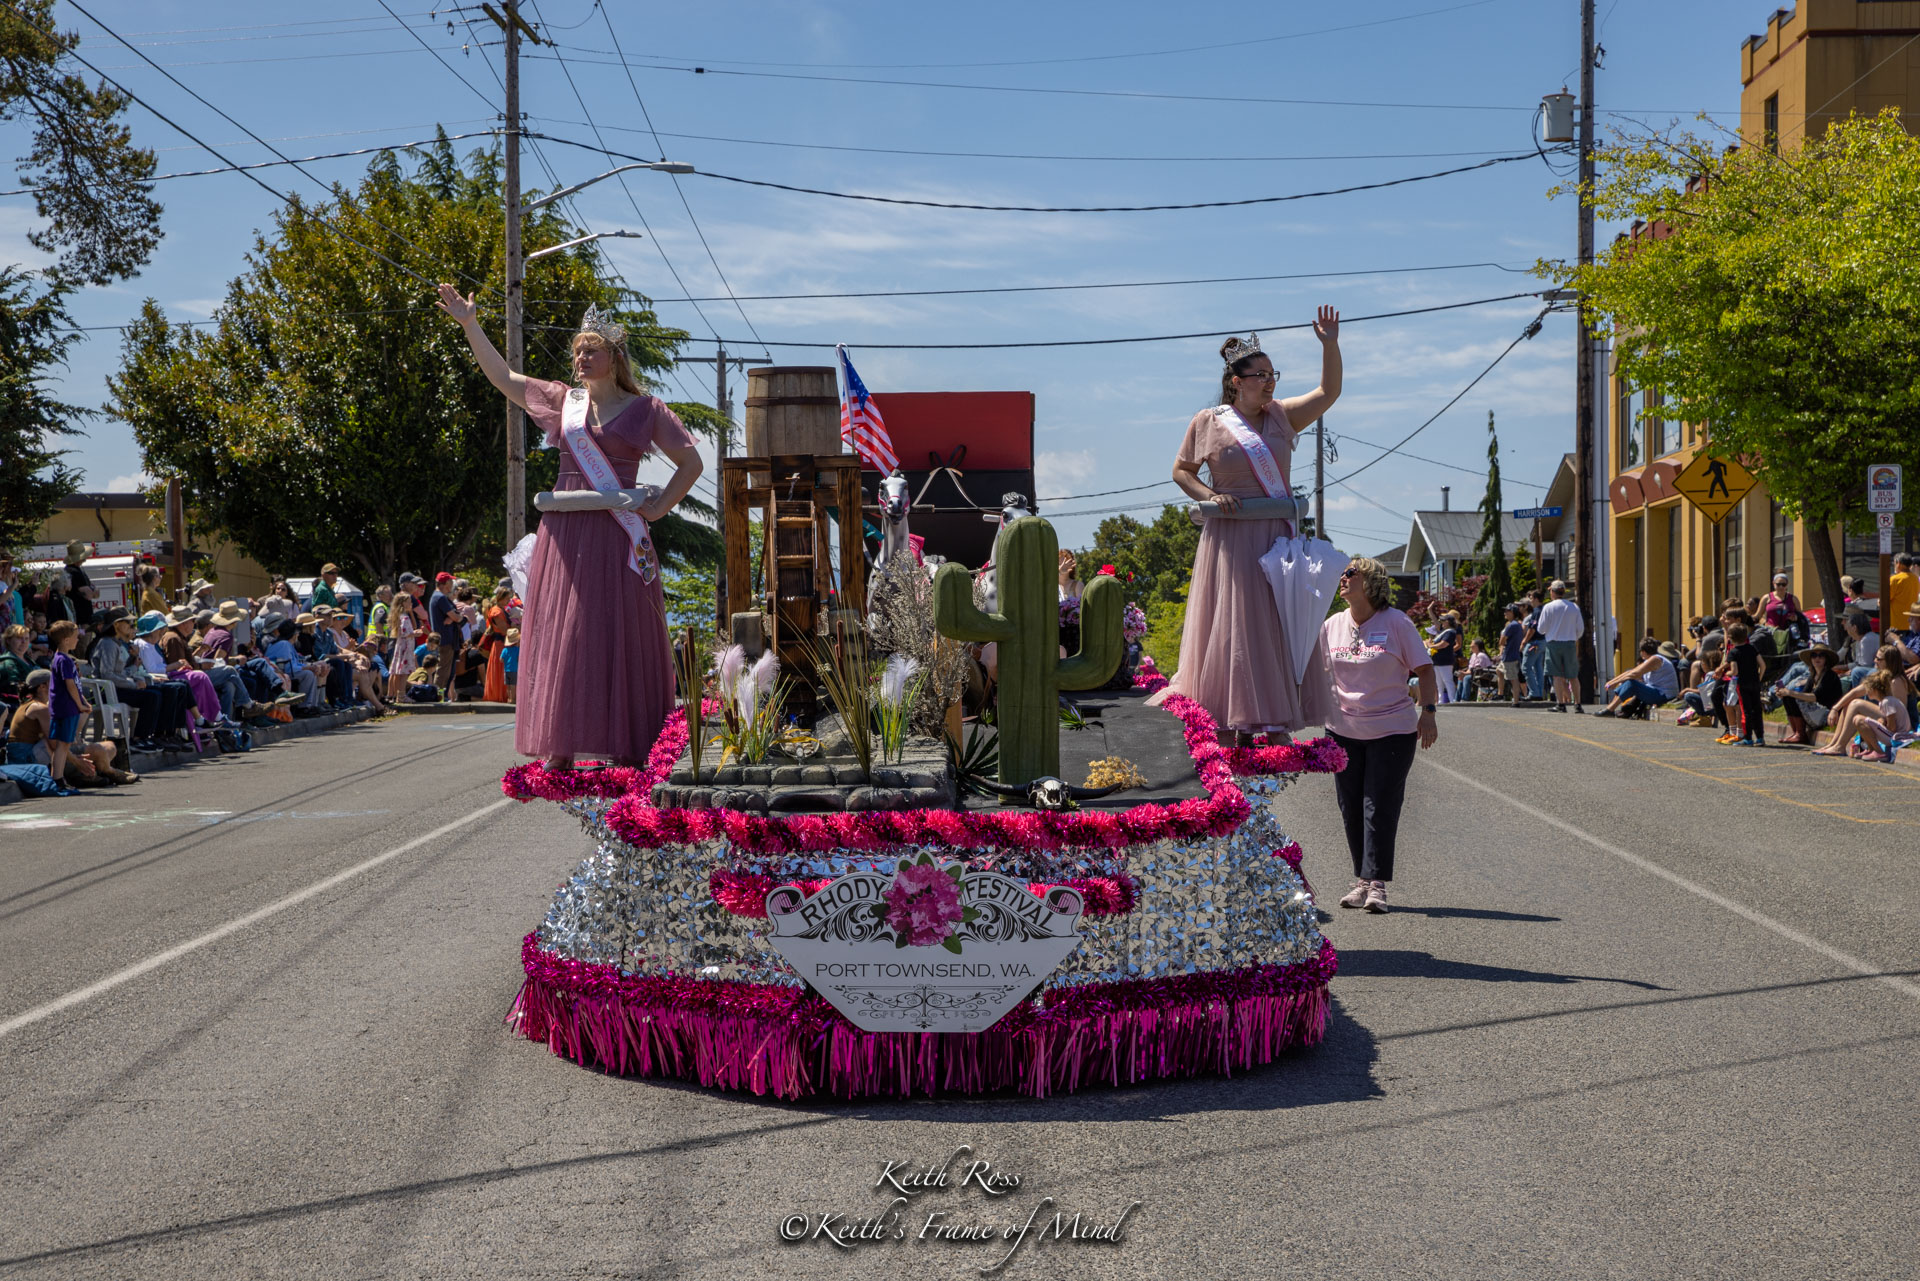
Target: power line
pixel 1023 155
pixel 1104 57
pixel 331 155
pixel 1101 493
pixel 949 204
pixel 647 116
pixel 1435 462
pixel 1114 284
pixel 1111 342
pixel 1533 327
pixel 1140 94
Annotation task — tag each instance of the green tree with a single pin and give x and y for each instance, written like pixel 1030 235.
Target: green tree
pixel 1485 618
pixel 1777 298
pixel 35 332
pixel 333 413
pixel 1154 561
pixel 89 182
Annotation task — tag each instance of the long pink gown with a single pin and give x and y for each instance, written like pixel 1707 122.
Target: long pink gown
pixel 596 672
pixel 1232 650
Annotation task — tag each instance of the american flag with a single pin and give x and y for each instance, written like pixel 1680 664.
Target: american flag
pixel 860 423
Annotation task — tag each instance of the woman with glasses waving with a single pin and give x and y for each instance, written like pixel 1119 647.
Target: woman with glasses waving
pixel 1370 651
pixel 1233 647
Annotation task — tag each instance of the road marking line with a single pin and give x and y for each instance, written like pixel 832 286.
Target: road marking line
pixel 174 953
pixel 1761 919
pixel 1711 778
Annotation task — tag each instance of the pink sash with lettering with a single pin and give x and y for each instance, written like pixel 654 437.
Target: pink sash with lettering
pixel 1266 468
pixel 593 464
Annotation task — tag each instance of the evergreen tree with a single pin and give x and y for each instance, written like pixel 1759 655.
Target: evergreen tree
pixel 35 332
pixel 1497 592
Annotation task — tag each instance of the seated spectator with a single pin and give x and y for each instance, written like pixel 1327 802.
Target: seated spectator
pixel 285 657
pixel 151 598
pixel 368 673
pixel 15 666
pixel 280 605
pixel 159 707
pixel 1481 673
pixel 1809 692
pixel 177 664
pixel 1868 725
pixel 423 682
pixel 469 675
pixel 1698 695
pixel 1862 644
pixel 1652 682
pixel 29 742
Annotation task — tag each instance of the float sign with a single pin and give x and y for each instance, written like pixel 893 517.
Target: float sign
pixel 1883 487
pixel 981 951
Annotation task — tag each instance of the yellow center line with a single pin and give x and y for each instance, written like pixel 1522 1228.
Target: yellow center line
pixel 1711 778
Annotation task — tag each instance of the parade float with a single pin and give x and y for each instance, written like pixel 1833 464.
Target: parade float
pixel 858 910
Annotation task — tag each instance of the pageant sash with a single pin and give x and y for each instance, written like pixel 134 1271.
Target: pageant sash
pixel 593 464
pixel 1266 468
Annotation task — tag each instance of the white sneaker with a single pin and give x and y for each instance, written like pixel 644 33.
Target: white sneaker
pixel 1377 897
pixel 1357 896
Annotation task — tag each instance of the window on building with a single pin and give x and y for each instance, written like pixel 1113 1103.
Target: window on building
pixel 1674 630
pixel 1733 552
pixel 1781 534
pixel 1625 432
pixel 1770 123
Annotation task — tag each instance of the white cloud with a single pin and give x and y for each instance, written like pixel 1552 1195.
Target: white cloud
pixel 15 222
pixel 129 484
pixel 1057 471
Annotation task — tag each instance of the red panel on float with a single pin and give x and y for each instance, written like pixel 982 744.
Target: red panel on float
pixel 995 426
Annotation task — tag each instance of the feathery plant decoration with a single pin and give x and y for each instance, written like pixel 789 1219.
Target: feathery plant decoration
pixel 846 670
pixel 686 659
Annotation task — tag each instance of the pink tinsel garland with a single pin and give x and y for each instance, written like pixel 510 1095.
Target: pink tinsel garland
pixel 635 820
pixel 745 893
pixel 778 1040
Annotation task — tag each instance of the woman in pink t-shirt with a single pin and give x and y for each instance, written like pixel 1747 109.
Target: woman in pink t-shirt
pixel 1370 650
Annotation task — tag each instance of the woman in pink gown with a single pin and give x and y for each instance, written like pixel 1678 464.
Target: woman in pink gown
pixel 1233 651
pixel 596 672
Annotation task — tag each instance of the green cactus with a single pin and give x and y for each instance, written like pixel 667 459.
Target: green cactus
pixel 1027 628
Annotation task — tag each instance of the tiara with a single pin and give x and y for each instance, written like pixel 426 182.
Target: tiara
pixel 1238 349
pixel 596 322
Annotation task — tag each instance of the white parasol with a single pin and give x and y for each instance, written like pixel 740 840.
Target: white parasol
pixel 1304 574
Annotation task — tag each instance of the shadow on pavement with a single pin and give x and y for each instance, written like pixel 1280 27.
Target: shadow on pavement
pixel 1468 914
pixel 1403 963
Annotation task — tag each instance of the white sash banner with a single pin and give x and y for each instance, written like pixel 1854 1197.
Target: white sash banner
pixel 593 464
pixel 1266 468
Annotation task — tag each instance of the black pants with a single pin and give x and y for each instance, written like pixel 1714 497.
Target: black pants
pixel 1752 711
pixel 1370 790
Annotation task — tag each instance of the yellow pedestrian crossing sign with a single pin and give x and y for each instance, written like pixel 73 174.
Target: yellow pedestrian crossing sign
pixel 1714 485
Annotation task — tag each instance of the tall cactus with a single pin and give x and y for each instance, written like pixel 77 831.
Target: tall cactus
pixel 1027 629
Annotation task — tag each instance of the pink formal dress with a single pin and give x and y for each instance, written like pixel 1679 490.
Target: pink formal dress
pixel 596 672
pixel 1233 648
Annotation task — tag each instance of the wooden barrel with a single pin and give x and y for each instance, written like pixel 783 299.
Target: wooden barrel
pixel 793 409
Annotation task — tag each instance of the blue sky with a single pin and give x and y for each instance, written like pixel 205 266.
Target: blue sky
pixel 1455 83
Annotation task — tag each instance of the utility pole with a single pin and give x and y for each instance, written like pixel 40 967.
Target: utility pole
pixel 1320 478
pixel 513 26
pixel 1585 595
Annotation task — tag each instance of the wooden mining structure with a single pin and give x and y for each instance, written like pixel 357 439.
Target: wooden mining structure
pixel 792 474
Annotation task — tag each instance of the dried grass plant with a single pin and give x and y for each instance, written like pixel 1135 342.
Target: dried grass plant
pixel 900 621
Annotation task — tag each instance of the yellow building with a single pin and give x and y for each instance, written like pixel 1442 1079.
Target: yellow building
pixel 1814 64
pixel 102 518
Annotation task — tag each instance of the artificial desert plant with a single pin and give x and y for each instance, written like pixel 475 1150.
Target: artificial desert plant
pixel 1026 627
pixel 845 667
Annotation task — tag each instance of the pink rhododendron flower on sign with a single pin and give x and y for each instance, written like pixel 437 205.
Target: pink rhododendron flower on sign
pixel 923 904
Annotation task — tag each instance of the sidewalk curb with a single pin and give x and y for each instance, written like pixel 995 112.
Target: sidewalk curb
pixel 451 709
pixel 144 763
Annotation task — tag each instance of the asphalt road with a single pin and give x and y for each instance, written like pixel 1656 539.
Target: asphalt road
pixel 1617 1026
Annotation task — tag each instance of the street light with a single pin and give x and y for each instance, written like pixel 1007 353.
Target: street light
pixel 659 166
pixel 582 240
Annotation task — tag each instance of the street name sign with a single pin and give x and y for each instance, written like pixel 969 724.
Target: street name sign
pixel 1714 485
pixel 1536 513
pixel 1883 487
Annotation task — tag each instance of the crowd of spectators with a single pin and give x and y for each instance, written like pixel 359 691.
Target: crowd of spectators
pixel 196 670
pixel 1758 657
